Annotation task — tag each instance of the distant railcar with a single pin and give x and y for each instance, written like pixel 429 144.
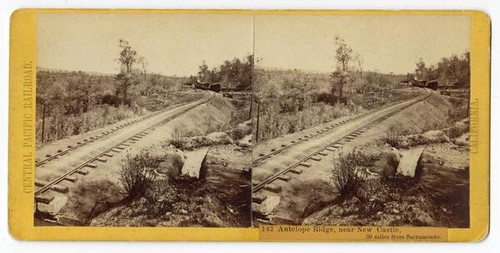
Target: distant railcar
pixel 215 87
pixel 433 85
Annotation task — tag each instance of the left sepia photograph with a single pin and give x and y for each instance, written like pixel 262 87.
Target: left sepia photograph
pixel 143 120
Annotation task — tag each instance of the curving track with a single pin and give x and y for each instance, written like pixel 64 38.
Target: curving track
pixel 114 141
pixel 353 127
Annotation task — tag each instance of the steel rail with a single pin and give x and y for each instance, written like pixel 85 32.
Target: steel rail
pixel 103 134
pixel 337 141
pixel 59 179
pixel 319 133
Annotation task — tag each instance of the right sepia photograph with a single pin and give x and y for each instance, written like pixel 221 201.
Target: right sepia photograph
pixel 361 120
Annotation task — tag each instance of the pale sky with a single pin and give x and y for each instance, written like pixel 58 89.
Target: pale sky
pixel 386 43
pixel 173 44
pixel 176 44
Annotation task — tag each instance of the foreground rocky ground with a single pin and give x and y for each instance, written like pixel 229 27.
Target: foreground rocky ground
pixel 438 194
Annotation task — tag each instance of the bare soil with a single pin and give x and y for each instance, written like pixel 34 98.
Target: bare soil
pixel 97 194
pixel 311 198
pixel 439 193
pixel 219 199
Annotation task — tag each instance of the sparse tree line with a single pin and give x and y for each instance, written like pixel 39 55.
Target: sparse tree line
pixel 237 73
pixel 288 101
pixel 449 70
pixel 71 103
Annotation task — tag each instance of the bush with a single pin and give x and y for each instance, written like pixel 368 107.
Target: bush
pixel 393 136
pixel 344 176
pixel 136 174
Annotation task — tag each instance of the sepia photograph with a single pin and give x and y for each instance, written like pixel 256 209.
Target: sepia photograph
pixel 361 120
pixel 143 120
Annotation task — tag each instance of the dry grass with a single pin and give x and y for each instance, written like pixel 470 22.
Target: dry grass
pixel 343 172
pixel 61 126
pixel 136 175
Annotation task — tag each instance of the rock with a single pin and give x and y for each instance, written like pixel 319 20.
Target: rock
pixel 432 136
pixel 424 219
pixel 171 164
pixel 387 164
pixel 396 211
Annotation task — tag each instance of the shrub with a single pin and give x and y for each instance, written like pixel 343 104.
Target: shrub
pixel 393 136
pixel 344 177
pixel 136 175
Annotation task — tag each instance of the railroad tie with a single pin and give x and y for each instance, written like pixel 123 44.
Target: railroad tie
pixel 45 199
pixel 48 155
pixel 59 188
pixel 315 158
pixel 273 188
pixel 69 146
pixel 261 154
pixel 115 150
pixel 108 155
pixel 100 159
pixel 259 199
pixel 283 145
pixel 336 145
pixel 40 183
pixel 273 149
pixel 322 153
pixel 293 141
pixel 304 164
pixel 91 165
pixel 82 172
pixel 120 147
pixel 330 149
pixel 70 178
pixel 296 171
pixel 284 178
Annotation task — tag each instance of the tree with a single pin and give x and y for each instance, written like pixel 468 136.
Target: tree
pixel 453 69
pixel 341 75
pixel 421 70
pixel 203 72
pixel 359 60
pixel 83 91
pixel 144 67
pixel 128 75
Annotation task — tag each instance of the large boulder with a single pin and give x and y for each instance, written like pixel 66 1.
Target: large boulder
pixel 215 138
pixel 387 163
pixel 432 136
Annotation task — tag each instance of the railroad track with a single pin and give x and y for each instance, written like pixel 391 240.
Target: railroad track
pixel 104 155
pixel 263 157
pixel 331 146
pixel 106 133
